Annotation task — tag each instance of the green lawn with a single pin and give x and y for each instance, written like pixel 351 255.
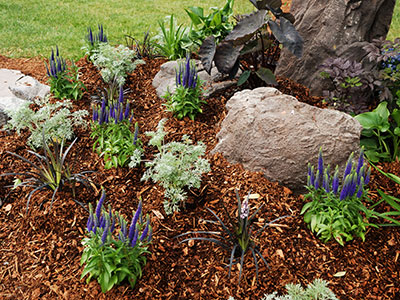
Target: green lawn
pixel 31 28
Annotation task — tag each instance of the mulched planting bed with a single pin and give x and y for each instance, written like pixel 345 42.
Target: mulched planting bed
pixel 40 251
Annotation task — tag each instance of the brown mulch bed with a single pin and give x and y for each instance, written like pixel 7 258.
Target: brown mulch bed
pixel 40 251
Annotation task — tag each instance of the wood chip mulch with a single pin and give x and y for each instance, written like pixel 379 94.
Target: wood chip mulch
pixel 40 251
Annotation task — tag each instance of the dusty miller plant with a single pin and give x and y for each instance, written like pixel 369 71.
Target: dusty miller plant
pixel 177 165
pixel 54 119
pixel 115 63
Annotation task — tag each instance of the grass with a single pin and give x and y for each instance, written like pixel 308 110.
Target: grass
pixel 32 28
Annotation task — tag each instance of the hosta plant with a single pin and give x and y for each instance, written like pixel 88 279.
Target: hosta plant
pixel 93 40
pixel 239 237
pixel 51 171
pixel 178 165
pixel 381 132
pixel 113 137
pixel 63 79
pixel 187 98
pixel 250 36
pixel 54 119
pixel 216 23
pixel 336 209
pixel 112 258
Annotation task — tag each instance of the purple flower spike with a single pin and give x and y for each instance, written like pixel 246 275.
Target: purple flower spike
pixel 105 232
pixel 127 110
pixel 132 228
pixel 345 188
pixel 312 177
pixel 149 237
pixel 146 229
pixel 89 223
pixel 349 166
pixel 360 160
pixel 335 181
pixel 325 183
pixel 135 137
pixel 316 182
pixel 360 189
pixel 135 237
pixel 121 95
pixel 367 176
pixel 121 115
pixel 95 114
pixel 100 204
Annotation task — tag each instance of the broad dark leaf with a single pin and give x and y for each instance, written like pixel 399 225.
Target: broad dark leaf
pixel 234 70
pixel 256 45
pixel 269 4
pixel 226 56
pixel 289 16
pixel 287 35
pixel 243 78
pixel 247 27
pixel 267 76
pixel 207 52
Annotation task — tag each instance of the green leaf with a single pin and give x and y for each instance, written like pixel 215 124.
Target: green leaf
pixel 267 76
pixel 243 77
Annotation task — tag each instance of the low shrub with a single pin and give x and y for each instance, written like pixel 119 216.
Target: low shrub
pixel 240 239
pixel 334 211
pixel 187 98
pixel 112 260
pixel 55 119
pixel 63 79
pixel 176 166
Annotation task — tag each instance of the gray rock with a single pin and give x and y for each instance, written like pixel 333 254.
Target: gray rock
pixel 28 88
pixel 165 79
pixel 333 29
pixel 268 131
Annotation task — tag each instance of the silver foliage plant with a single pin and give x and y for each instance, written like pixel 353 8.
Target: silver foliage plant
pixel 54 119
pixel 317 290
pixel 115 63
pixel 177 165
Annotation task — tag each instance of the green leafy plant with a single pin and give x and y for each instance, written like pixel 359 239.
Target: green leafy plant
pixel 392 201
pixel 177 165
pixel 51 172
pixel 55 119
pixel 186 100
pixel 250 36
pixel 115 63
pixel 337 212
pixel 240 239
pixel 63 79
pixel 171 41
pixel 381 132
pixel 112 260
pixel 113 137
pixel 216 23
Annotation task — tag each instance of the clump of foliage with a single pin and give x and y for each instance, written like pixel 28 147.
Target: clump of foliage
pixel 55 119
pixel 63 79
pixel 115 63
pixel 250 36
pixel 317 290
pixel 111 129
pixel 240 239
pixel 337 212
pixel 93 41
pixel 381 132
pixel 176 166
pixel 350 83
pixel 171 41
pixel 144 48
pixel 51 172
pixel 186 100
pixel 112 260
pixel 216 23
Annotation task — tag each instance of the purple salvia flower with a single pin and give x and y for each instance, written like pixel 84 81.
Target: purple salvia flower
pixel 135 237
pixel 345 188
pixel 335 181
pixel 360 174
pixel 89 223
pixel 102 222
pixel 360 189
pixel 320 166
pixel 121 95
pixel 325 183
pixel 105 232
pixel 146 229
pixel 135 137
pixel 367 176
pixel 106 113
pixel 121 115
pixel 135 218
pixel 360 160
pixel 57 52
pixel 353 184
pixel 95 114
pixel 149 237
pixel 312 177
pixel 316 182
pixel 100 204
pixel 127 108
pixel 349 166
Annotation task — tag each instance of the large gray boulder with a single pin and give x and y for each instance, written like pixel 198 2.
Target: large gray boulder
pixel 165 79
pixel 333 28
pixel 271 132
pixel 17 89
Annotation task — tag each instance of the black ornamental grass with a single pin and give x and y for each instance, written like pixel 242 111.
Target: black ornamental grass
pixel 240 238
